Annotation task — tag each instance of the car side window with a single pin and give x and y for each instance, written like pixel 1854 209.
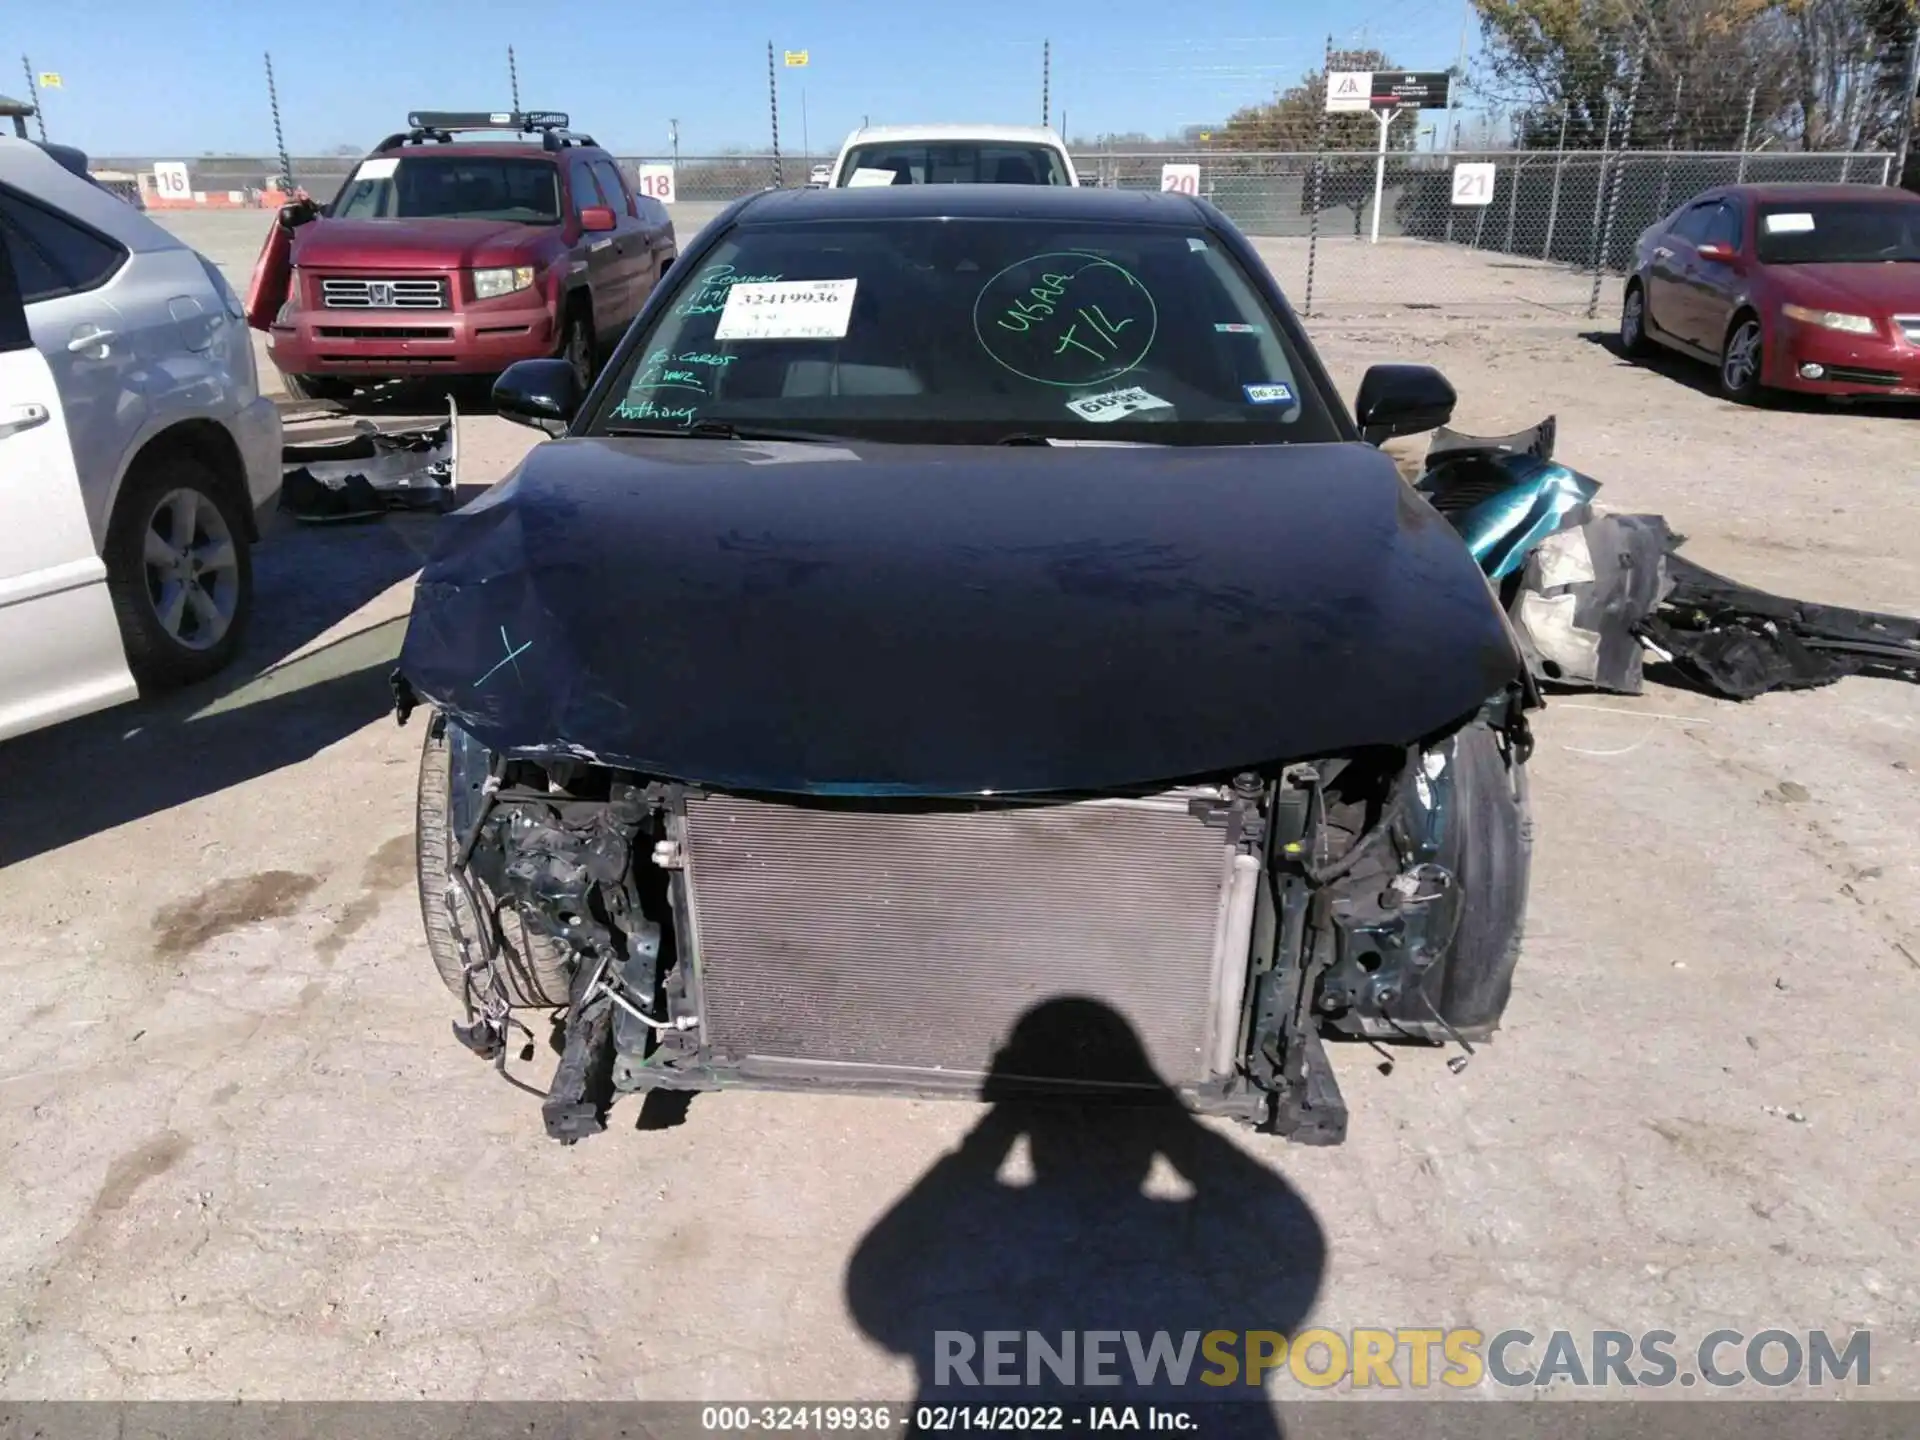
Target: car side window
pixel 14 334
pixel 1693 221
pixel 612 185
pixel 586 191
pixel 53 255
pixel 1723 227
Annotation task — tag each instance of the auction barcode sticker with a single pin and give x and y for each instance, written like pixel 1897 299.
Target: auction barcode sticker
pixel 787 310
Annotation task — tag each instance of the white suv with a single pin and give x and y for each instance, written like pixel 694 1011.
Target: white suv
pixel 954 155
pixel 135 447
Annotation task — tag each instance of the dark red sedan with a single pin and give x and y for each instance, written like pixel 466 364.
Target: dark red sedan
pixel 1813 288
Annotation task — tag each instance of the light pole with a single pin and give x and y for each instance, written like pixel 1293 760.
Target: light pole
pixel 673 133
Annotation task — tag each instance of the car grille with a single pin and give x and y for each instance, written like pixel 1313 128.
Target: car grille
pixel 1848 375
pixel 1909 326
pixel 384 294
pixel 912 940
pixel 385 332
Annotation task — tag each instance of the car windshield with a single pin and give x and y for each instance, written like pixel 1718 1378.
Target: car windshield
pixel 922 162
pixel 1839 232
pixel 452 187
pixel 968 332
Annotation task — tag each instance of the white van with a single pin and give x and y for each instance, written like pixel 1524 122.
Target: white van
pixel 135 447
pixel 954 155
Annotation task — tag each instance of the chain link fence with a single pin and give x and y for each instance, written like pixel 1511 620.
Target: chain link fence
pixel 1557 229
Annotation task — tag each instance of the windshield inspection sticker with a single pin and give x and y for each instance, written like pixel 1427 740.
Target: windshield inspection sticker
pixel 378 169
pixel 1798 223
pixel 863 175
pixel 1275 394
pixel 788 310
pixel 1116 404
pixel 1234 329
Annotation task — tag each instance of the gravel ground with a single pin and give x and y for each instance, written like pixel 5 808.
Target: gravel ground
pixel 245 1158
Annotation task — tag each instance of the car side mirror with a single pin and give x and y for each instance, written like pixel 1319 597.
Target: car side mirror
pixel 1402 400
pixel 597 218
pixel 542 393
pixel 1714 250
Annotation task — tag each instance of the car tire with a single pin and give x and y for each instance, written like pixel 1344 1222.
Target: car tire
pixel 1634 343
pixel 316 387
pixel 1742 359
pixel 532 971
pixel 179 571
pixel 1492 861
pixel 576 343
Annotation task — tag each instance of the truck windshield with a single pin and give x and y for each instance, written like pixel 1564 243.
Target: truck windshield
pixel 920 162
pixel 1839 232
pixel 975 331
pixel 452 187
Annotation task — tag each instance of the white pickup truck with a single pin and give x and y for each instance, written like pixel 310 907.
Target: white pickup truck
pixel 954 155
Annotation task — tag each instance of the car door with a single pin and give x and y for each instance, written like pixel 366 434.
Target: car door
pixel 600 252
pixel 60 650
pixel 637 272
pixel 1670 301
pixel 1717 284
pixel 64 267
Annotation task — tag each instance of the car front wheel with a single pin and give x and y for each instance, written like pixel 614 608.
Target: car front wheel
pixel 1741 359
pixel 179 571
pixel 1633 323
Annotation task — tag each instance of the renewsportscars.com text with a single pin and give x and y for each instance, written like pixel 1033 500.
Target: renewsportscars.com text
pixel 1401 1358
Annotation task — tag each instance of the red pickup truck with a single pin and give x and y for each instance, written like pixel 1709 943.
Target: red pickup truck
pixel 453 256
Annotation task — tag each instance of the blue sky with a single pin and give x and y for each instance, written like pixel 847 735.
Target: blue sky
pixel 182 77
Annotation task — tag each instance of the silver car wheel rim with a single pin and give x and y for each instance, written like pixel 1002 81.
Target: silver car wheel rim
pixel 193 569
pixel 1630 318
pixel 1743 357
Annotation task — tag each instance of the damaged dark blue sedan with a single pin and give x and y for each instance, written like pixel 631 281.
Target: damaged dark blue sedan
pixel 948 601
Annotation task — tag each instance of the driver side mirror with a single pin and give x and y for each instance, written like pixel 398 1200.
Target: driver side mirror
pixel 1714 250
pixel 1402 400
pixel 596 218
pixel 542 393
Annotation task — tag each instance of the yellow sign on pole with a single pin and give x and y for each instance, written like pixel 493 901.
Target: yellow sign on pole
pixel 1206 134
pixel 49 80
pixel 796 59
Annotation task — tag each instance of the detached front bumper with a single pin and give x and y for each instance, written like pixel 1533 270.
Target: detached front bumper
pixel 371 344
pixel 1852 365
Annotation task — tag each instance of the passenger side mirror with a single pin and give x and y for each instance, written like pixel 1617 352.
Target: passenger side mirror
pixel 1402 400
pixel 596 218
pixel 542 393
pixel 1714 250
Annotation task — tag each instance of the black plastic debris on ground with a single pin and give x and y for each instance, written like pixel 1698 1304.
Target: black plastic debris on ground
pixel 1604 590
pixel 372 472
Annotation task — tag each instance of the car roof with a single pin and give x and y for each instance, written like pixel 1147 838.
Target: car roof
pixel 28 168
pixel 1788 192
pixel 881 134
pixel 972 202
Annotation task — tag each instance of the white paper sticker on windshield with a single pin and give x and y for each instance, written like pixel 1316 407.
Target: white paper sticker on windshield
pixel 787 310
pixel 1274 394
pixel 1795 223
pixel 1116 404
pixel 1226 327
pixel 864 176
pixel 377 169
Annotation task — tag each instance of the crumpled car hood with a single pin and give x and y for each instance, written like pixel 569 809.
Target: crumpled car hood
pixel 942 620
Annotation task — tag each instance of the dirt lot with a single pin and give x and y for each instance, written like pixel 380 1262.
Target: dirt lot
pixel 245 1158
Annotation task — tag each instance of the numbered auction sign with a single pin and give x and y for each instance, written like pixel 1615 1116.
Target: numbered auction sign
pixel 656 182
pixel 1182 179
pixel 170 180
pixel 1473 184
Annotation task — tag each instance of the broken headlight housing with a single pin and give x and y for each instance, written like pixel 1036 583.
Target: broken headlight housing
pixel 501 280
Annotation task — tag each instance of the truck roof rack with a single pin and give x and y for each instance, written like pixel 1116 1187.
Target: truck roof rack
pixel 440 126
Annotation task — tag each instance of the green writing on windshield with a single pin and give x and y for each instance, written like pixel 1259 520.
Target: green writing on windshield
pixel 1067 318
pixel 631 409
pixel 707 295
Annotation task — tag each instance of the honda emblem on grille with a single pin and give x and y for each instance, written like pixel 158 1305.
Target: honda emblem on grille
pixel 380 293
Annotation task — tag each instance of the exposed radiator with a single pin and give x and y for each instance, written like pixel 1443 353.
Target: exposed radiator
pixel 914 941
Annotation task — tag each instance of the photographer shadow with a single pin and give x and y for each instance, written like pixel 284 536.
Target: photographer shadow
pixel 1099 1239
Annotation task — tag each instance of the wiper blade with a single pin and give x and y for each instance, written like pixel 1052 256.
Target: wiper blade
pixel 1023 438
